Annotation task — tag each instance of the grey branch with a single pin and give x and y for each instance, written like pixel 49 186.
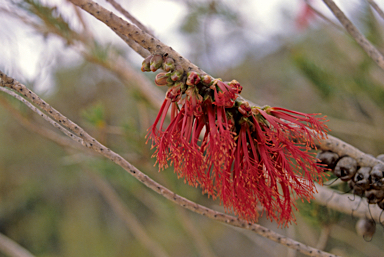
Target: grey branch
pixel 356 34
pixel 347 203
pixel 11 248
pixel 120 26
pixel 342 148
pixel 376 7
pixel 129 16
pixel 76 132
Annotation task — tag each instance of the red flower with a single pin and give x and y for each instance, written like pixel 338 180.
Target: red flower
pixel 224 94
pixel 249 157
pixel 178 143
pixel 217 145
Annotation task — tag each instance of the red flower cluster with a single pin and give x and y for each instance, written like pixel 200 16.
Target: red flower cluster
pixel 251 158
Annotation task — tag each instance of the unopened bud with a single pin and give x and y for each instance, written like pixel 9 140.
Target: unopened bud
pixel 178 73
pixel 206 79
pixel 156 62
pixel 168 64
pixel 170 82
pixel 161 79
pixel 145 66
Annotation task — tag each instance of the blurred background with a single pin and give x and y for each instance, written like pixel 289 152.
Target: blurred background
pixel 57 200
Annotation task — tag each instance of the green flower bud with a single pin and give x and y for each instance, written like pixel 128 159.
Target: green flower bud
pixel 206 79
pixel 156 62
pixel 168 64
pixel 145 66
pixel 178 73
pixel 162 79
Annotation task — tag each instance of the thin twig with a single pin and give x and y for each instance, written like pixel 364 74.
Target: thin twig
pixel 321 15
pixel 129 16
pixel 134 45
pixel 376 7
pixel 11 248
pixel 47 133
pixel 92 143
pixel 129 76
pixel 356 34
pixel 46 117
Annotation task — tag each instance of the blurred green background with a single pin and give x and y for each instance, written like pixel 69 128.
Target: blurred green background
pixel 59 201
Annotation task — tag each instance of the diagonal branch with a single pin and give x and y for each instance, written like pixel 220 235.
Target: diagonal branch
pixel 372 52
pixel 129 16
pixel 376 7
pixel 75 132
pixel 347 203
pixel 11 248
pixel 120 26
pixel 321 15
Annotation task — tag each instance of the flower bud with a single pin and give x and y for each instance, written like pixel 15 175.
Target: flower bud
pixel 206 79
pixel 193 78
pixel 162 79
pixel 170 82
pixel 156 62
pixel 168 64
pixel 178 73
pixel 145 66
